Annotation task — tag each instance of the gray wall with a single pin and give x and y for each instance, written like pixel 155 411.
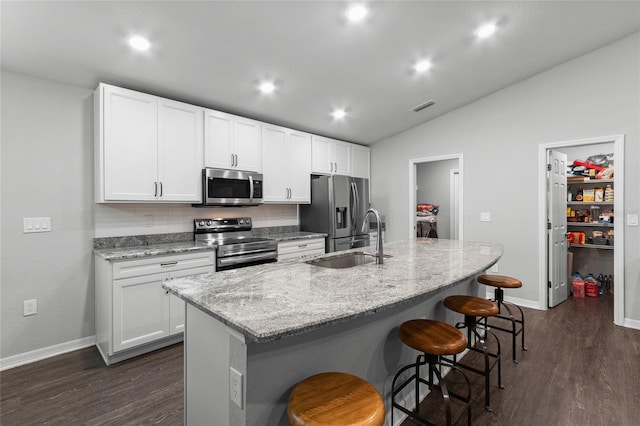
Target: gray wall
pixel 433 180
pixel 596 94
pixel 47 170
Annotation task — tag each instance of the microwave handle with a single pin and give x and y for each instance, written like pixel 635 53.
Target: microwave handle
pixel 250 189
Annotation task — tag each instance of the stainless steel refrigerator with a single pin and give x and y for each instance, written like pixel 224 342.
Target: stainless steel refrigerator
pixel 338 205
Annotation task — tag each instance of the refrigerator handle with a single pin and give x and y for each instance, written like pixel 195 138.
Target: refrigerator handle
pixel 356 209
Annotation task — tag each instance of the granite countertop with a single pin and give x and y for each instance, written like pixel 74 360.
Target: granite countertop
pixel 123 253
pixel 176 247
pixel 292 236
pixel 271 301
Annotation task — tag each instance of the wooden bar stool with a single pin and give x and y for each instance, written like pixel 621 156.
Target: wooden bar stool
pixel 473 308
pixel 500 282
pixel 434 339
pixel 335 399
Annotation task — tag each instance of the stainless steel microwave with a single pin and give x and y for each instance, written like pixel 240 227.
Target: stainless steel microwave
pixel 231 188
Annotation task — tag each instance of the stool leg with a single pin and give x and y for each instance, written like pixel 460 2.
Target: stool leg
pixel 443 389
pixel 487 372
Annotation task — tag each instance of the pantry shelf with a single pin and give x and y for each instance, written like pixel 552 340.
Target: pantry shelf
pixel 593 246
pixel 595 225
pixel 588 203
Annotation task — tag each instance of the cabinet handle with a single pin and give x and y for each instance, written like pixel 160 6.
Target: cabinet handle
pixel 302 245
pixel 232 160
pixel 155 189
pixel 169 264
pixel 336 168
pixel 236 155
pixel 331 164
pixel 161 189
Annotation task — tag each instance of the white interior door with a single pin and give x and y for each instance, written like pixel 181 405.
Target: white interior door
pixel 557 228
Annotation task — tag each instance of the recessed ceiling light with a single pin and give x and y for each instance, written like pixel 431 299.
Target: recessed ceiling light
pixel 422 66
pixel 139 43
pixel 486 30
pixel 338 113
pixel 357 12
pixel 267 87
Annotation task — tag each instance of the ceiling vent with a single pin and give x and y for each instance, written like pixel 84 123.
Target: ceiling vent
pixel 423 105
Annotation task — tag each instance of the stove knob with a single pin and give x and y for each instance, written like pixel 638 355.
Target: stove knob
pixel 201 223
pixel 209 223
pixel 241 221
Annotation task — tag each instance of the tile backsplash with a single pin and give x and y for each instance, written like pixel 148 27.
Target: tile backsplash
pixel 115 220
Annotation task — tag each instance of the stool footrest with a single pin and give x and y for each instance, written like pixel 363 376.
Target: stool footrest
pixel 435 364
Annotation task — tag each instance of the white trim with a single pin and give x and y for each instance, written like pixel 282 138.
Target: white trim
pixel 43 353
pixel 631 323
pixel 524 303
pixel 618 211
pixel 455 213
pixel 412 189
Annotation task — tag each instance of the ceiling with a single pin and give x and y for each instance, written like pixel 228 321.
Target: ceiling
pixel 215 54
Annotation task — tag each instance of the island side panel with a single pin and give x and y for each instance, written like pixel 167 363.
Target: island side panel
pixel 210 350
pixel 368 347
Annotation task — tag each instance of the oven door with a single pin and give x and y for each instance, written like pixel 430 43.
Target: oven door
pixel 231 188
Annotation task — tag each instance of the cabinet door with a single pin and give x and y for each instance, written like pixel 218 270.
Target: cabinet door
pixel 180 146
pixel 321 155
pixel 299 167
pixel 341 157
pixel 140 311
pixel 218 139
pixel 360 161
pixel 177 305
pixel 247 144
pixel 275 164
pixel 130 125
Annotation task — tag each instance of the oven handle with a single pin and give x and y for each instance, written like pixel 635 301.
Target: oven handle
pixel 236 260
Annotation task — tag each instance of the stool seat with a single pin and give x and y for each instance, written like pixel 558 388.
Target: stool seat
pixel 335 399
pixel 471 305
pixel 432 337
pixel 501 281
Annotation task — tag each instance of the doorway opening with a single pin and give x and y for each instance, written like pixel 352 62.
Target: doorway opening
pixel 436 181
pixel 546 213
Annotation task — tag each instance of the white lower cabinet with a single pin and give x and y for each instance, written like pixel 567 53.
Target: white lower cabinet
pixel 134 314
pixel 300 248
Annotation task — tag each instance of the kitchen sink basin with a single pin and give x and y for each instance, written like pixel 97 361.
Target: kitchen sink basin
pixel 346 260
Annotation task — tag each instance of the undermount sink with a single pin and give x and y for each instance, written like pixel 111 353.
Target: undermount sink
pixel 346 260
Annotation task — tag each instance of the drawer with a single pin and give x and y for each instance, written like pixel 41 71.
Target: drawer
pixel 294 249
pixel 160 264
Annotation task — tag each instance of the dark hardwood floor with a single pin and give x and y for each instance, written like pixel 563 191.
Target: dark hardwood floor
pixel 580 370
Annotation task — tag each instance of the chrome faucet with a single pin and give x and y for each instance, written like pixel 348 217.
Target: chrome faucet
pixel 378 254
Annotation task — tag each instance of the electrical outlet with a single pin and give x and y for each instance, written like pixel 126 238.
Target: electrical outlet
pixel 30 307
pixel 485 217
pixel 235 386
pixel 494 268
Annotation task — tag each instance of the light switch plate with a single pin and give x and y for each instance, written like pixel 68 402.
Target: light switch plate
pixel 632 219
pixel 485 217
pixel 36 224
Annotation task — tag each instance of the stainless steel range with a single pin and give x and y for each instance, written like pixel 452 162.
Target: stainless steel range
pixel 236 247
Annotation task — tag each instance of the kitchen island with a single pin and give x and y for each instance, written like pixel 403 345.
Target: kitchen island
pixel 253 333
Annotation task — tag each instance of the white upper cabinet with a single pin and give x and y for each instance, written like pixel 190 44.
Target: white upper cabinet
pixel 330 156
pixel 146 147
pixel 286 165
pixel 180 141
pixel 360 161
pixel 232 142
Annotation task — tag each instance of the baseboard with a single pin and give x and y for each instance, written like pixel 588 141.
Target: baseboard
pixel 525 303
pixel 43 353
pixel 631 323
